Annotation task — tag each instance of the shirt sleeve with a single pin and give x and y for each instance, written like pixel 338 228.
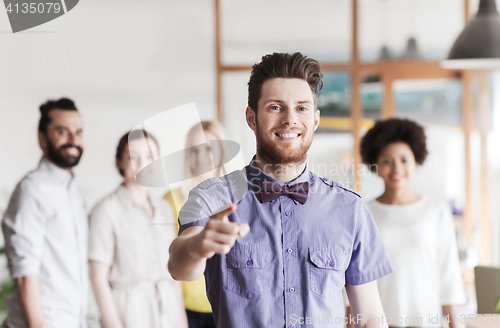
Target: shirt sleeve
pixel 200 205
pixel 101 236
pixel 23 228
pixel 370 260
pixel 452 289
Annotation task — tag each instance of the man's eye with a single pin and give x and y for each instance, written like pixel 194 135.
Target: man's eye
pixel 302 109
pixel 275 107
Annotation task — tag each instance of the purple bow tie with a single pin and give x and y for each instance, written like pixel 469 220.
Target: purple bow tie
pixel 271 191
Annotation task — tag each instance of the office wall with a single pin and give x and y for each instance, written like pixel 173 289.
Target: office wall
pixel 121 61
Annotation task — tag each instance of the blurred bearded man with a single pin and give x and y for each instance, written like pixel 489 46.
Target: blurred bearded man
pixel 45 229
pixel 278 249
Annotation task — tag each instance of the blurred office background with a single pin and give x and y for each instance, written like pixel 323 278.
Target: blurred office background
pixel 126 61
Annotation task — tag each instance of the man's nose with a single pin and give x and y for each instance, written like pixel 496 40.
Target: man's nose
pixel 289 117
pixel 75 139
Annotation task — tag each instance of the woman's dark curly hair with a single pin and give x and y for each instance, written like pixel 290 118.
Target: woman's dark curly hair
pixel 390 131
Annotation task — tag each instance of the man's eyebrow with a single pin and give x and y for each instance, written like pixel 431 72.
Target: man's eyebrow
pixel 281 101
pixel 60 127
pixel 273 100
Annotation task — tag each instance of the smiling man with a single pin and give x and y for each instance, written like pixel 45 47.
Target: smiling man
pixel 45 229
pixel 281 253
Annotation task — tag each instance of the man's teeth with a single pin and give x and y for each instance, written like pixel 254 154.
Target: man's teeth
pixel 288 135
pixel 72 150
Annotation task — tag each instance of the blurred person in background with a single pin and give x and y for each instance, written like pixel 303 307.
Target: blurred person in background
pixel 45 228
pixel 418 231
pixel 130 234
pixel 201 164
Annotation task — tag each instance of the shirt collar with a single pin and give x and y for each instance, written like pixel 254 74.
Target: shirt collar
pixel 256 176
pixel 127 199
pixel 60 174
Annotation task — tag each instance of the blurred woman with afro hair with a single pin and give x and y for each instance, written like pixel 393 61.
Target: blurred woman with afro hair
pixel 418 231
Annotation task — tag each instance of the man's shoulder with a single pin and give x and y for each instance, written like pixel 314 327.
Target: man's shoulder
pixel 226 189
pixel 31 183
pixel 35 180
pixel 333 186
pixel 28 193
pixel 218 182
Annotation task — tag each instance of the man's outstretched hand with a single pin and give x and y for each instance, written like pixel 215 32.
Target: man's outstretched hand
pixel 219 234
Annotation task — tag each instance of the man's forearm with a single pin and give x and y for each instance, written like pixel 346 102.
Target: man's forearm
pixel 184 264
pixel 30 299
pixel 189 252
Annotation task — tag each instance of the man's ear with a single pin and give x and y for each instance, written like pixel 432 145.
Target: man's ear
pixel 251 118
pixel 316 119
pixel 42 141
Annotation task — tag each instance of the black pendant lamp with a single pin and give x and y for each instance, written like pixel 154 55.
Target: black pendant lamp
pixel 385 54
pixel 412 52
pixel 478 46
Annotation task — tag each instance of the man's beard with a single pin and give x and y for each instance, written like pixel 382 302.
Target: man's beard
pixel 56 155
pixel 270 151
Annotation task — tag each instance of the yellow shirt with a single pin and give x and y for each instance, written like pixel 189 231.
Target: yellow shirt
pixel 195 296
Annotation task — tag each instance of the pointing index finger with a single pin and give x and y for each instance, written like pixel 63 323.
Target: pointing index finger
pixel 225 213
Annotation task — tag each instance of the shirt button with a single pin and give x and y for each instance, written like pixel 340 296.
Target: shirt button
pixel 289 251
pixel 291 289
pixel 331 263
pixel 287 213
pixel 249 262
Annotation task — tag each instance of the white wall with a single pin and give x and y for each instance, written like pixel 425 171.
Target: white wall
pixel 121 61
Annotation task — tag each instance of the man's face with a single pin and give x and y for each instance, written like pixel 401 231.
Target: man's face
pixel 285 122
pixel 63 143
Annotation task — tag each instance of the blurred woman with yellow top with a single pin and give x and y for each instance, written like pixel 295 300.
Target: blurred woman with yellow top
pixel 200 161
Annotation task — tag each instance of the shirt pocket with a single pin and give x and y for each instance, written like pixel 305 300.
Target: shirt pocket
pixel 248 272
pixel 327 271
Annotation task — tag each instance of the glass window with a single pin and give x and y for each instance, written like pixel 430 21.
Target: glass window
pixel 320 29
pixel 372 95
pixel 334 101
pixel 437 101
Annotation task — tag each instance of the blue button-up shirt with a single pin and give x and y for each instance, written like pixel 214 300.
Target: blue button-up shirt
pixel 290 269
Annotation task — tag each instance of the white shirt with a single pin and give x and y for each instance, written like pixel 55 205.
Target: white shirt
pixel 45 228
pixel 124 236
pixel 420 238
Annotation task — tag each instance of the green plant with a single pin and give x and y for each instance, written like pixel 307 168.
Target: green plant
pixel 6 288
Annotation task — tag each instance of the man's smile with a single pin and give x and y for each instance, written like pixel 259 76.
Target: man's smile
pixel 287 135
